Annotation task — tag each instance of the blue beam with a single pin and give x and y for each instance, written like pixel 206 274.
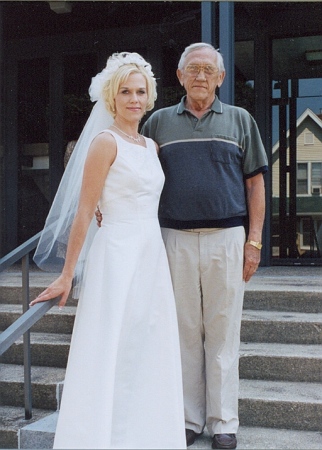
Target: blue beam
pixel 208 28
pixel 227 49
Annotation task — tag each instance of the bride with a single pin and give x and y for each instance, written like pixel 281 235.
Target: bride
pixel 123 385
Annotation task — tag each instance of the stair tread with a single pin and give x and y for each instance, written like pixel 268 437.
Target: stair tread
pixel 280 350
pixel 246 348
pixel 306 279
pixel 39 375
pixel 281 391
pixel 248 437
pixel 47 338
pixel 37 278
pixel 270 290
pixel 267 438
pixel 248 314
pixel 17 309
pixel 13 417
pixel 281 316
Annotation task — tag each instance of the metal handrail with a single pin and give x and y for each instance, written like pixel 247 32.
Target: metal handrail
pixel 29 317
pixel 24 323
pixel 19 252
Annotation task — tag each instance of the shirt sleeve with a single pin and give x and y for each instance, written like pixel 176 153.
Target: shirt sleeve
pixel 255 158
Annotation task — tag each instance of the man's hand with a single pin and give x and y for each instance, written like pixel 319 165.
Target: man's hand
pixel 98 216
pixel 252 257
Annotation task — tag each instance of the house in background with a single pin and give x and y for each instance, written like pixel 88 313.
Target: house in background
pixel 308 185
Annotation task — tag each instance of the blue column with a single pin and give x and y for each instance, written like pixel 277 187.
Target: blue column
pixel 10 143
pixel 208 28
pixel 227 49
pixel 56 142
pixel 2 213
pixel 263 116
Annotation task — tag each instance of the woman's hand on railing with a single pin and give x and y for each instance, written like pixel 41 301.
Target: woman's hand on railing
pixel 59 288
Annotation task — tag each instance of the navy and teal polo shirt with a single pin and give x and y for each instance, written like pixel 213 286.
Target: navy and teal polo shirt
pixel 205 162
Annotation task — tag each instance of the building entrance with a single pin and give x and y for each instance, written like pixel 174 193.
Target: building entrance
pixel 297 151
pixel 46 71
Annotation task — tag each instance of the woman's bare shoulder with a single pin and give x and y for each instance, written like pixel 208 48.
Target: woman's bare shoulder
pixel 104 137
pixel 103 145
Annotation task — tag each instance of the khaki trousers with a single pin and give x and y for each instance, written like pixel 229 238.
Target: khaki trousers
pixel 206 268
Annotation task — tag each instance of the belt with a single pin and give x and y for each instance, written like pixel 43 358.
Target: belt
pixel 200 230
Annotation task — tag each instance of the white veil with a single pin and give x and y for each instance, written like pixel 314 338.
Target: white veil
pixel 51 250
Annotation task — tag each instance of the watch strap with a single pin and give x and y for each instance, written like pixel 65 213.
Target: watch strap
pixel 258 245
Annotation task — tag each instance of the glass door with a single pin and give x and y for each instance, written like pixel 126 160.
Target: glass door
pixel 297 151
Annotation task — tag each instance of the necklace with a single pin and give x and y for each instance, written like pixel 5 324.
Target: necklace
pixel 136 139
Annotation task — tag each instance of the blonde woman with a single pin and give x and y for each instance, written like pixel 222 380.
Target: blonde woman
pixel 123 385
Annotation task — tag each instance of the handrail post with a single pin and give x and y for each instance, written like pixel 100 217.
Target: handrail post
pixel 26 339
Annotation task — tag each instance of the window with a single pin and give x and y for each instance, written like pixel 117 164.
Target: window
pixel 309 178
pixel 308 138
pixel 302 178
pixel 316 177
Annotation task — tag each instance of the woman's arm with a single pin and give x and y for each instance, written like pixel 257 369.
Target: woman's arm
pixel 101 156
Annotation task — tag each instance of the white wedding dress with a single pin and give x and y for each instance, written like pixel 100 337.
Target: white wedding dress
pixel 123 386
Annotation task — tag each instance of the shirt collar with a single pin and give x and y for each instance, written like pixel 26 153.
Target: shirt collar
pixel 215 107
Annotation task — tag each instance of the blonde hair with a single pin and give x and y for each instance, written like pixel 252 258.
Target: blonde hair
pixel 111 87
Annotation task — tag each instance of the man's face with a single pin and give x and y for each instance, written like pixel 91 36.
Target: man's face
pixel 200 75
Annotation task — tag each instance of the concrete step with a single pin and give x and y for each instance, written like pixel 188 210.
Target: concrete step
pixel 280 404
pixel 12 419
pixel 55 321
pixel 47 383
pixel 276 300
pixel 257 326
pixel 272 404
pixel 295 289
pixel 40 435
pixel 12 295
pixel 283 300
pixel 275 361
pixel 281 362
pixel 256 438
pixel 283 327
pixel 47 349
pixel 11 282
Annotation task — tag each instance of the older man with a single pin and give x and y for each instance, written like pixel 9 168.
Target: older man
pixel 213 159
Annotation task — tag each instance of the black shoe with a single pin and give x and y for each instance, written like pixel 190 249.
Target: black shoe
pixel 224 441
pixel 191 436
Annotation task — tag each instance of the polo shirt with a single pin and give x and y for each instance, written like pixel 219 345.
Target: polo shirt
pixel 205 162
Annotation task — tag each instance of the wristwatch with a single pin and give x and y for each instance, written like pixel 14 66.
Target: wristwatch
pixel 255 244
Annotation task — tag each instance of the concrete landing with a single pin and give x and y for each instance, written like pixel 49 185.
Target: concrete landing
pixel 268 438
pixel 275 278
pixel 281 278
pixel 41 435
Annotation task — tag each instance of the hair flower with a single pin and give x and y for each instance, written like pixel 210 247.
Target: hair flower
pixel 114 62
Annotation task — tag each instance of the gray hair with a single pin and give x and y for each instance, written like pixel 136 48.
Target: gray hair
pixel 199 45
